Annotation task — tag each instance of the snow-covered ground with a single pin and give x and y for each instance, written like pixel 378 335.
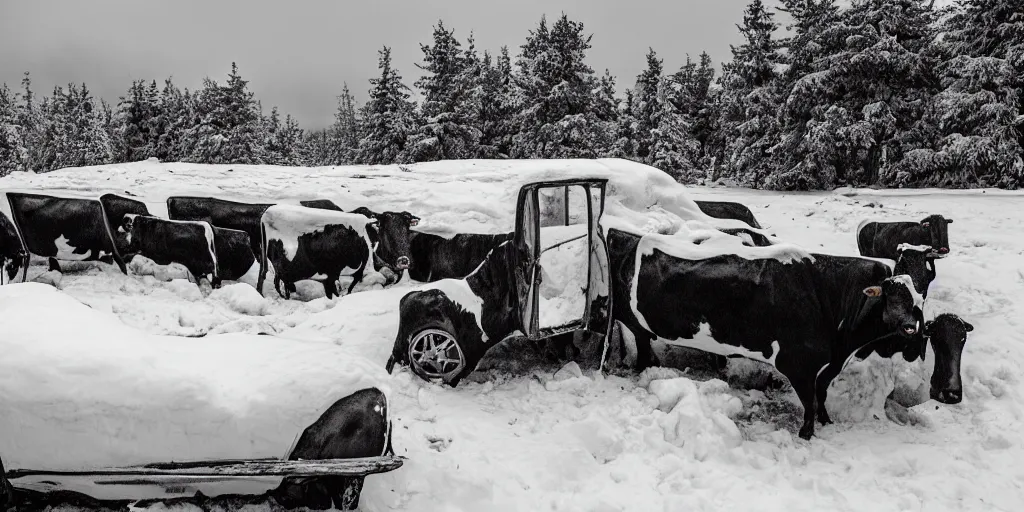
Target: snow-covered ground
pixel 573 440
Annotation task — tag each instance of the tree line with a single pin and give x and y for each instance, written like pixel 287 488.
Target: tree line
pixel 889 93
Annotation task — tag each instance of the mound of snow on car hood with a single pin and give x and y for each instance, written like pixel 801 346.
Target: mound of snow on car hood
pixel 87 391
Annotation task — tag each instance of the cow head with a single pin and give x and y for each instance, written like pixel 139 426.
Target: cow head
pixel 901 313
pixel 948 335
pixel 918 262
pixel 393 234
pixel 939 232
pixel 124 230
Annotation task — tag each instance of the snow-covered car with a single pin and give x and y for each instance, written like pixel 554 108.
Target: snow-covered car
pixel 550 279
pixel 101 408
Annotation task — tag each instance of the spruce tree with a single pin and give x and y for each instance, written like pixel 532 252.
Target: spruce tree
pixel 31 122
pixel 749 100
pixel 972 129
pixel 389 117
pixel 557 92
pixel 450 103
pixel 13 154
pixel 497 107
pixel 230 123
pixel 344 134
pixel 816 35
pixel 135 137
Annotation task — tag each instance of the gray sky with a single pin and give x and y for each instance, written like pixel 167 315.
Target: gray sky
pixel 296 54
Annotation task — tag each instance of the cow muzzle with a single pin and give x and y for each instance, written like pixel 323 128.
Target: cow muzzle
pixel 403 263
pixel 947 396
pixel 909 329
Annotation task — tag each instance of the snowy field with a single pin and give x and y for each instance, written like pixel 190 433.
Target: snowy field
pixel 544 440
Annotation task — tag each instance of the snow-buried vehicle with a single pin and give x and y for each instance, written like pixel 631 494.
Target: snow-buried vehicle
pixel 100 414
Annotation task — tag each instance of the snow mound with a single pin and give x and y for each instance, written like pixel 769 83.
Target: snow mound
pixel 241 298
pixel 699 415
pixel 90 391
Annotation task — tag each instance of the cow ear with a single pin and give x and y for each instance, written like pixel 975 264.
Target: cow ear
pixel 873 291
pixel 968 326
pixel 949 221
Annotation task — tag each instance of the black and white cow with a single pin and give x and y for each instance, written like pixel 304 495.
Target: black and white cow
pixel 234 255
pixel 186 242
pixel 948 335
pixel 64 229
pixel 805 314
pixel 389 236
pixel 881 239
pixel 728 210
pixel 116 207
pixel 918 262
pixel 480 311
pixel 221 213
pixel 435 257
pixel 12 252
pixel 356 426
pixel 310 243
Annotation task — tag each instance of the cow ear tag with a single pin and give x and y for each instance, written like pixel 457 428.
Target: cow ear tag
pixel 873 291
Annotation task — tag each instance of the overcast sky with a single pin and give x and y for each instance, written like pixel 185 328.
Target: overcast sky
pixel 296 54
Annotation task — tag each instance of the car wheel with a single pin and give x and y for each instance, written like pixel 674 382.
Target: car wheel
pixel 435 354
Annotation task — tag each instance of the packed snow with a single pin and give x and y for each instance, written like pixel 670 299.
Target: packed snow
pixel 554 438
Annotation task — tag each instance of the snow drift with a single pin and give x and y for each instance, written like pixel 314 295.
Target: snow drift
pixel 86 390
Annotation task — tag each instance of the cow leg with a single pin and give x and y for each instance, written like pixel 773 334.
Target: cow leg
pixel 645 357
pixel 54 265
pixel 331 288
pixel 801 369
pixel 829 373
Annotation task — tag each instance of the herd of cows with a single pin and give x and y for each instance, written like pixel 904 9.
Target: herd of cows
pixel 807 315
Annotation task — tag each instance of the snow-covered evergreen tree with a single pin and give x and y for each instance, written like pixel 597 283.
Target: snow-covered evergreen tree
pixel 344 134
pixel 281 139
pixel 816 34
pixel 871 79
pixel 749 100
pixel 177 118
pixel 73 134
pixel 230 123
pixel 13 154
pixel 625 145
pixel 690 93
pixel 389 117
pixel 969 129
pixel 557 91
pixel 136 135
pixel 659 130
pixel 31 122
pixel 497 107
pixel 450 104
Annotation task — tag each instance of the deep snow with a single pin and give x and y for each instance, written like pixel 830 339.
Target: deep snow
pixel 575 440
